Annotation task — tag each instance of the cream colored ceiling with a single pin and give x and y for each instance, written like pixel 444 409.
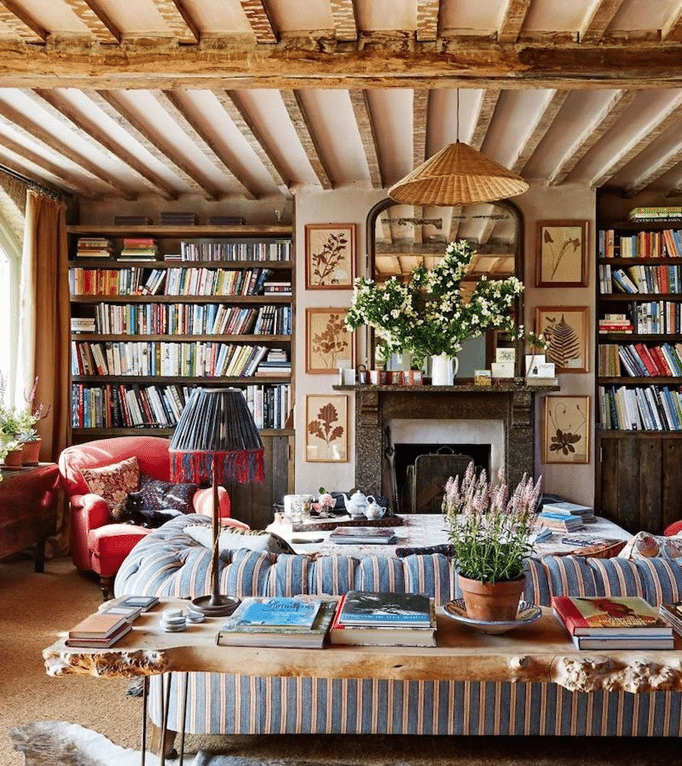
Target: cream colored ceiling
pixel 234 99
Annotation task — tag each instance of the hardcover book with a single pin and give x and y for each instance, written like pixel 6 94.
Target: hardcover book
pixel 100 625
pixel 278 612
pixel 673 614
pixel 101 642
pixel 391 609
pixel 609 616
pixel 362 536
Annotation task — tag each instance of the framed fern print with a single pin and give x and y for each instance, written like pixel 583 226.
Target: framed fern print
pixel 561 254
pixel 566 429
pixel 565 328
pixel 326 428
pixel 329 256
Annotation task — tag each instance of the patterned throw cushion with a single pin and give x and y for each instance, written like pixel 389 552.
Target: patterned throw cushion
pixel 646 546
pixel 113 482
pixel 233 538
pixel 162 495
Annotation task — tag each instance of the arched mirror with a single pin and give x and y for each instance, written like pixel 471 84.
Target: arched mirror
pixel 400 237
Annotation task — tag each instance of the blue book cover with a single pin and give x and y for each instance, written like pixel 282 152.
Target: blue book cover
pixel 396 609
pixel 277 611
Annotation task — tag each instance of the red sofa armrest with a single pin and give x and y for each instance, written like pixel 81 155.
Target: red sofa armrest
pixel 92 510
pixel 674 529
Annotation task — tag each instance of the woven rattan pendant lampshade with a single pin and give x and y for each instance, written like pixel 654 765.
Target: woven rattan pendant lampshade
pixel 456 175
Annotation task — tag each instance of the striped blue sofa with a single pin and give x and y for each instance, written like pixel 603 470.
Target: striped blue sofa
pixel 169 562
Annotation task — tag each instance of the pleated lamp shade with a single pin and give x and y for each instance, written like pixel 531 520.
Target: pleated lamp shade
pixel 456 175
pixel 216 440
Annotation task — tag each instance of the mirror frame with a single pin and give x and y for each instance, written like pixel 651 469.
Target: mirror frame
pixel 370 261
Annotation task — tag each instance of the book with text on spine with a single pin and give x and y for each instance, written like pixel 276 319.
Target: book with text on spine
pixel 609 616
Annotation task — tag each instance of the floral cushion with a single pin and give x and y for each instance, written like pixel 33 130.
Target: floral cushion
pixel 234 538
pixel 113 482
pixel 161 495
pixel 646 546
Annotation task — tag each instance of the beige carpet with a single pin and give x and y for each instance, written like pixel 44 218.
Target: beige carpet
pixel 35 607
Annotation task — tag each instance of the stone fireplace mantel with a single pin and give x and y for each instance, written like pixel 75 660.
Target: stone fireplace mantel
pixel 376 406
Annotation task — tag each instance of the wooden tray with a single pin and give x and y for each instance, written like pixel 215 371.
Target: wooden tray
pixel 389 520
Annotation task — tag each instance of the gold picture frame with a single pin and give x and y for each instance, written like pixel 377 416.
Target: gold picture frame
pixel 561 254
pixel 326 430
pixel 566 329
pixel 566 429
pixel 327 341
pixel 329 256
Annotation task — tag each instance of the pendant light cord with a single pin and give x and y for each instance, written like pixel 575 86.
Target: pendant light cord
pixel 457 115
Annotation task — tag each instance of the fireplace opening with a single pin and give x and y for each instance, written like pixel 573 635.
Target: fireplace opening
pixel 421 471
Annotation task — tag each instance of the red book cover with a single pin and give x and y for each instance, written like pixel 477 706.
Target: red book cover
pixel 608 615
pixel 662 361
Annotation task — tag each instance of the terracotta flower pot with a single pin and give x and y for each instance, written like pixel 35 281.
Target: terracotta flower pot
pixel 13 458
pixel 31 452
pixel 491 601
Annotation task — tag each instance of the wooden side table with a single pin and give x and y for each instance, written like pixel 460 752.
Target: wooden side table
pixel 28 509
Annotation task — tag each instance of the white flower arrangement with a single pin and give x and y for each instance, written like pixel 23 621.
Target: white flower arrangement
pixel 430 313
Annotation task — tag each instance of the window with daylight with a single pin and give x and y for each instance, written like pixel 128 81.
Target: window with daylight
pixel 9 312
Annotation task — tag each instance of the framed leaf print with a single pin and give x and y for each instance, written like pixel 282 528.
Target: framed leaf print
pixel 565 328
pixel 327 341
pixel 566 429
pixel 329 256
pixel 326 438
pixel 561 254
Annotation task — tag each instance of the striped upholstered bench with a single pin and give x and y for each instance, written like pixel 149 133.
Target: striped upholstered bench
pixel 169 562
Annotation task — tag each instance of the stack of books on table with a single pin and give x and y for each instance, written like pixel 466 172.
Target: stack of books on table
pixel 362 536
pixel 100 630
pixel 365 618
pixel 612 622
pixel 673 614
pixel 559 521
pixel 298 621
pixel 565 510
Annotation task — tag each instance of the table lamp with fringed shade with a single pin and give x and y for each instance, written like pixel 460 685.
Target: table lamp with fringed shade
pixel 216 440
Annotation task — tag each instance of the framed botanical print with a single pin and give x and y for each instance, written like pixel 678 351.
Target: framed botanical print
pixel 326 437
pixel 565 328
pixel 561 254
pixel 329 256
pixel 566 429
pixel 327 341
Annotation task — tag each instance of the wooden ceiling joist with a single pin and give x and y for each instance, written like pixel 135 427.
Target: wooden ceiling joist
pixel 130 122
pixel 21 23
pixel 101 27
pixel 545 119
pixel 512 20
pixel 179 20
pixel 249 129
pixel 299 119
pixel 420 115
pixel 486 110
pixel 654 171
pixel 62 112
pixel 258 17
pixel 598 18
pixel 345 24
pixel 203 140
pixel 427 20
pixel 366 128
pixel 601 123
pixel 671 30
pixel 33 132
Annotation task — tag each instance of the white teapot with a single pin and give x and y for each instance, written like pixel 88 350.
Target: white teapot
pixel 357 503
pixel 374 510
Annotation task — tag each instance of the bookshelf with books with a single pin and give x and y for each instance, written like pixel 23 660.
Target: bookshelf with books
pixel 157 310
pixel 638 394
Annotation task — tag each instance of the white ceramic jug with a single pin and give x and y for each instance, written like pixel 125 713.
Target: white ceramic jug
pixel 443 370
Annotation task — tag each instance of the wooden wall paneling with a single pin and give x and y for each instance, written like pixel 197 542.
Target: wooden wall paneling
pixel 671 479
pixel 650 486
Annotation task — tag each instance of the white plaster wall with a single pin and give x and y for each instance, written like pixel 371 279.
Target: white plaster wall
pixel 568 202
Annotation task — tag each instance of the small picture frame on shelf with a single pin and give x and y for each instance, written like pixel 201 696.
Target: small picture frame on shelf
pixel 565 328
pixel 326 432
pixel 327 341
pixel 566 429
pixel 329 256
pixel 561 254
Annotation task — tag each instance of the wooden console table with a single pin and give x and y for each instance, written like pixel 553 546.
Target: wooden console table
pixel 28 509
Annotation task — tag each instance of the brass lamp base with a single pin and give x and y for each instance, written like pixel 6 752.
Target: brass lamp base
pixel 214 606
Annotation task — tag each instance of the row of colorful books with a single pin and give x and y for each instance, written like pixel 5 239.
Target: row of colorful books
pixel 277 250
pixel 185 319
pixel 643 244
pixel 641 360
pixel 648 408
pixel 661 279
pixel 361 618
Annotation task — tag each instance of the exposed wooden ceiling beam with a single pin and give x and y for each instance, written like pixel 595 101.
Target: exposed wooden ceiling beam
pixel 597 20
pixel 259 19
pixel 512 20
pixel 306 63
pixel 62 177
pixel 96 20
pixel 33 132
pixel 179 20
pixel 299 119
pixel 131 123
pixel 600 123
pixel 249 129
pixel 544 122
pixel 204 141
pixel 655 171
pixel 21 22
pixel 345 24
pixel 64 113
pixel 486 109
pixel 427 20
pixel 363 118
pixel 663 120
pixel 420 114
pixel 671 31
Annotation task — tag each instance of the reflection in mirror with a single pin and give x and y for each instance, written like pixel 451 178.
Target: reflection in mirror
pixel 400 237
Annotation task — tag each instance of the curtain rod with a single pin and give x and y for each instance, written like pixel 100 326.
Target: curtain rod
pixel 33 185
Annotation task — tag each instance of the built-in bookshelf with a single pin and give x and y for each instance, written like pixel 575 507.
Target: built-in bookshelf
pixel 638 392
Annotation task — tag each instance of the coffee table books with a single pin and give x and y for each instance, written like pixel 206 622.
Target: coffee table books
pixel 602 622
pixel 99 630
pixel 362 536
pixel 384 619
pixel 673 614
pixel 297 621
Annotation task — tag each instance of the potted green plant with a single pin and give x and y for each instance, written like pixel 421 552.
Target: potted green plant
pixel 28 436
pixel 490 533
pixel 10 451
